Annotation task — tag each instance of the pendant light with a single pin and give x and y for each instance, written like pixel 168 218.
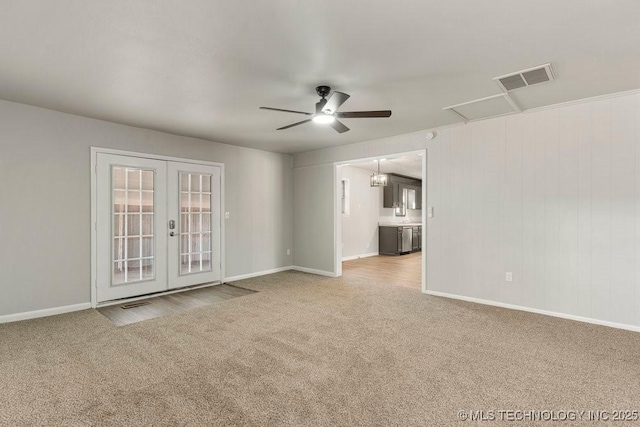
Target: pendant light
pixel 379 179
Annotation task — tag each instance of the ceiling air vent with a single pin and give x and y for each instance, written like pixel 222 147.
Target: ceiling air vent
pixel 524 78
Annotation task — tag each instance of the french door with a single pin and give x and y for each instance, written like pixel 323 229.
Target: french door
pixel 158 225
pixel 194 234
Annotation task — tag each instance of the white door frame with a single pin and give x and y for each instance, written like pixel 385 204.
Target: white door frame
pixel 337 215
pixel 94 194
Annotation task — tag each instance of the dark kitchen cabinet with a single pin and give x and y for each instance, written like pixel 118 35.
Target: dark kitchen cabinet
pixel 390 240
pixel 397 240
pixel 416 240
pixel 392 196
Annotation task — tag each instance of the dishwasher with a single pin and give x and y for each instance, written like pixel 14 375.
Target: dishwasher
pixel 407 239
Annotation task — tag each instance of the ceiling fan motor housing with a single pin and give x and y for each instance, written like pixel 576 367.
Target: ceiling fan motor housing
pixel 323 91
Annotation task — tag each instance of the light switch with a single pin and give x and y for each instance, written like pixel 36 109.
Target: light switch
pixel 226 215
pixel 430 212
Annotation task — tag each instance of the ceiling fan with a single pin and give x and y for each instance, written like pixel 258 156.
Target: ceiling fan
pixel 326 111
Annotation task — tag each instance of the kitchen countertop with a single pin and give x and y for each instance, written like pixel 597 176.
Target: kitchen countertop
pixel 399 224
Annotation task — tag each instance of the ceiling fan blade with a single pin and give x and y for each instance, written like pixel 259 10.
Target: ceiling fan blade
pixel 295 124
pixel 335 101
pixel 286 111
pixel 320 105
pixel 363 114
pixel 339 126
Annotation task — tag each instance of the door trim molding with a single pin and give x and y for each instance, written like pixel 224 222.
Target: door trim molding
pixel 94 201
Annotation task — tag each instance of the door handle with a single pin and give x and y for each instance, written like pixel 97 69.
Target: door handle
pixel 172 234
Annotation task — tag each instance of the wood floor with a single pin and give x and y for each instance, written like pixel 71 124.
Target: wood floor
pixel 403 270
pixel 149 308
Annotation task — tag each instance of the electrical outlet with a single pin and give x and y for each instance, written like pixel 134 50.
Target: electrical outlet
pixel 288 251
pixel 509 276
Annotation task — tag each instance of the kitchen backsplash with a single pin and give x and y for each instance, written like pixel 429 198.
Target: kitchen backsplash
pixel 387 215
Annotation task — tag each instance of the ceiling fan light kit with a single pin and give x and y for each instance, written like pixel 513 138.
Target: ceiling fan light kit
pixel 326 111
pixel 323 118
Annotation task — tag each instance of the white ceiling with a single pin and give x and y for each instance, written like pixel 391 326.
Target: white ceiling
pixel 203 67
pixel 410 165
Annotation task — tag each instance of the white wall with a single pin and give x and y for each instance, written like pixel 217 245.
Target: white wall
pixel 314 206
pixel 360 227
pixel 45 202
pixel 552 196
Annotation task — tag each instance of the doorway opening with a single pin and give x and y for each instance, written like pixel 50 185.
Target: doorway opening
pixel 381 219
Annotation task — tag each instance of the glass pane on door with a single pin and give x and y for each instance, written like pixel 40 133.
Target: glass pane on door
pixel 195 223
pixel 132 227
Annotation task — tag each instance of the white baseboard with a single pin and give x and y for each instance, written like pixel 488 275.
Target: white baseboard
pixel 314 271
pixel 256 274
pixel 349 258
pixel 44 313
pixel 537 311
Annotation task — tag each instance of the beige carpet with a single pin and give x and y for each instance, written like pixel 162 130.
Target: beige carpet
pixel 312 351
